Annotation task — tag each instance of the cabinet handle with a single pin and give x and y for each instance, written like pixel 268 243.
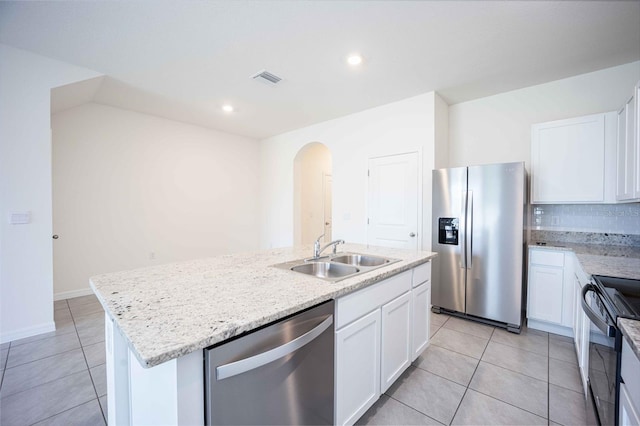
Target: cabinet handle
pixel 607 329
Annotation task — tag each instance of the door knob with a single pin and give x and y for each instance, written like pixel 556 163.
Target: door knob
pixel 327 223
pixel 55 237
pixel 412 234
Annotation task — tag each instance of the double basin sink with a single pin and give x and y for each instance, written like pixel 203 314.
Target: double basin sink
pixel 338 266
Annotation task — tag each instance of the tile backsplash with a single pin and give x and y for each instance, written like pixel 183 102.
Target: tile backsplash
pixel 614 218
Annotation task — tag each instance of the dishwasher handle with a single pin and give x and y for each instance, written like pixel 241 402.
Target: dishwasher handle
pixel 596 319
pixel 242 366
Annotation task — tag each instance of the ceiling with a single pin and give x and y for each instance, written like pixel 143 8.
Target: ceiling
pixel 184 60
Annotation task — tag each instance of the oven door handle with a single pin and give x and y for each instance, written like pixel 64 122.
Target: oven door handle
pixel 607 329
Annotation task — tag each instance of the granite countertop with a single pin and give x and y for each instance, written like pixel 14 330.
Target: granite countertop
pixel 171 310
pixel 631 330
pixel 602 259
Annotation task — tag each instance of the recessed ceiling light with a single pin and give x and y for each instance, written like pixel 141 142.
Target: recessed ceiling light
pixel 354 59
pixel 227 108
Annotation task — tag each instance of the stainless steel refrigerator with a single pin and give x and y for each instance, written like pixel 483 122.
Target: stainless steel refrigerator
pixel 478 233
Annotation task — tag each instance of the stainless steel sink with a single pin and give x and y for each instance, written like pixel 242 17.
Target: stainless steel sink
pixel 326 269
pixel 337 267
pixel 361 260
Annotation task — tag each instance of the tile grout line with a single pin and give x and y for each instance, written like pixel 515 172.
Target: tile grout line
pixel 412 408
pixel 70 408
pixel 4 367
pixel 471 379
pixel 548 380
pixel 87 364
pixel 518 372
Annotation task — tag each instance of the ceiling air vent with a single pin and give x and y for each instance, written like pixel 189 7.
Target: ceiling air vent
pixel 267 78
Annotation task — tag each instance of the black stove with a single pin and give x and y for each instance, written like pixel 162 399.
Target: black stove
pixel 621 296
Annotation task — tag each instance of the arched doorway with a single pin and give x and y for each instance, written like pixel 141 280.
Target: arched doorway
pixel 312 194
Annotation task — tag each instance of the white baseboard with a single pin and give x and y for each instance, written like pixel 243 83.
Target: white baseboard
pixel 73 293
pixel 27 332
pixel 550 328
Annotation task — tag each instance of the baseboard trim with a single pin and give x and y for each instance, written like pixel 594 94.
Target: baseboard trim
pixel 550 328
pixel 73 293
pixel 27 332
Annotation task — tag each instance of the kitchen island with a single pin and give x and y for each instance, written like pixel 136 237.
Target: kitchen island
pixel 159 320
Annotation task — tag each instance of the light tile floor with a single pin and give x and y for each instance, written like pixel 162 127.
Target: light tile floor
pixel 477 374
pixel 57 378
pixel 470 374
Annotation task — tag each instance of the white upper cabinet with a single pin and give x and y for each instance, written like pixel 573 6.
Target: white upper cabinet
pixel 628 150
pixel 636 193
pixel 573 160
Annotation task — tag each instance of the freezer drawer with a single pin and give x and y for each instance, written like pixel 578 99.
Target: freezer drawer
pixel 281 374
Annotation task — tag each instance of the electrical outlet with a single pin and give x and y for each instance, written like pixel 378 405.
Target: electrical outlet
pixel 152 255
pixel 555 220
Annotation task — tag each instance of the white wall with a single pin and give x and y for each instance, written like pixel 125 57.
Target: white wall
pixel 26 286
pixel 497 128
pixel 399 127
pixel 126 185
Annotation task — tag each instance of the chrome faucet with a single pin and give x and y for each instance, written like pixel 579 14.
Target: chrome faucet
pixel 317 250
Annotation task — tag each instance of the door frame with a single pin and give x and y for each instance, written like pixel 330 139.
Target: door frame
pixel 420 218
pixel 326 176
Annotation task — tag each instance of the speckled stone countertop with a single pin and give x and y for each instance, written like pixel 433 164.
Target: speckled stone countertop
pixel 601 259
pixel 631 331
pixel 171 310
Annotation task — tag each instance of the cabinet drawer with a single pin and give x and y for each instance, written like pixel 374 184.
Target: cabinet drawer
pixel 547 258
pixel 355 305
pixel 630 372
pixel 421 274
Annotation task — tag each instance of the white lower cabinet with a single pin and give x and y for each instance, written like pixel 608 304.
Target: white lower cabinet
pixel 550 292
pixel 421 301
pixel 545 293
pixel 380 330
pixel 396 339
pixel 629 410
pixel 358 364
pixel 629 415
pixel 581 327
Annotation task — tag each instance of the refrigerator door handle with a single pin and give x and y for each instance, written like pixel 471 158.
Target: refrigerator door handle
pixel 463 231
pixel 469 237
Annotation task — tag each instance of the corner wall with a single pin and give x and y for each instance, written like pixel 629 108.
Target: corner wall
pixel 26 267
pixel 133 190
pixel 399 127
pixel 497 128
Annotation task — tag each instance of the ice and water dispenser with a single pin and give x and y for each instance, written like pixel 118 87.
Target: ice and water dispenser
pixel 448 230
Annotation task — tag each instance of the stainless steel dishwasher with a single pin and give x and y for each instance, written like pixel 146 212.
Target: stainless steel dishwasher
pixel 279 374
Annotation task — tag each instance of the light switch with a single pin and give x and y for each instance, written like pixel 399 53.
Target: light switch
pixel 19 218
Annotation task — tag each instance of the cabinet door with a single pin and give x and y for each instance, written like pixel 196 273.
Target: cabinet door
pixel 568 160
pixel 577 318
pixel 629 415
pixel 396 339
pixel 636 144
pixel 581 329
pixel 584 351
pixel 357 368
pixel 626 147
pixel 421 306
pixel 545 293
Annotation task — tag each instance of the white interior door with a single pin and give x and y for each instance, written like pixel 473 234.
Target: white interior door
pixel 393 201
pixel 327 190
